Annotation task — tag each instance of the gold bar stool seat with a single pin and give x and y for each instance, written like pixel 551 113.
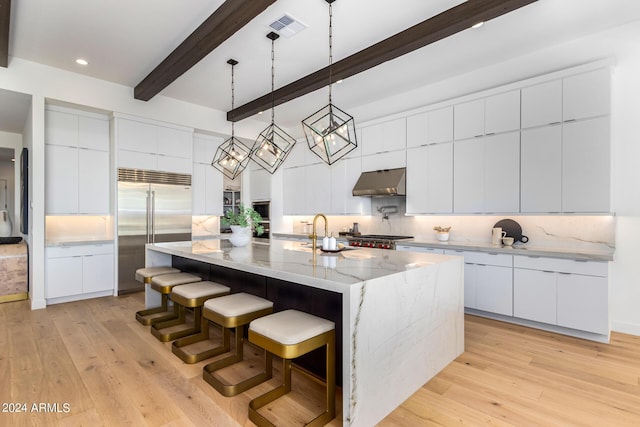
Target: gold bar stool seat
pixel 192 295
pixel 290 334
pixel 235 311
pixel 157 314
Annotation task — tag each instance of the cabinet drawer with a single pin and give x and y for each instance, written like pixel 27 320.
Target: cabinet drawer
pixel 78 250
pixel 589 268
pixel 488 258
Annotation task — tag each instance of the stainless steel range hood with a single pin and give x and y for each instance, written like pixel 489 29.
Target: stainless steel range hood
pixel 386 182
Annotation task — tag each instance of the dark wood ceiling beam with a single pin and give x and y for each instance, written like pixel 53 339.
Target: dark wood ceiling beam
pixel 222 24
pixel 443 25
pixel 5 23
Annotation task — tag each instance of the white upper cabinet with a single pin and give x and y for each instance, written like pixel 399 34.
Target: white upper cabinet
pixel 387 136
pixel 586 166
pixel 587 95
pixel 542 104
pixel 502 112
pixel 469 119
pixel 389 160
pixel 486 116
pixel 502 173
pixel 430 179
pixel 260 184
pixel 468 176
pixel 417 130
pixel 440 125
pixel 77 167
pixel 344 175
pixel 144 145
pixel 431 127
pixel 541 170
pixel 206 181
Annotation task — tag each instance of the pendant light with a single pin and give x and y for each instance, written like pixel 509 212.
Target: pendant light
pixel 232 156
pixel 273 144
pixel 330 132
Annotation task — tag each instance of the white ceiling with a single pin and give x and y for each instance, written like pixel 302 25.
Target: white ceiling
pixel 124 40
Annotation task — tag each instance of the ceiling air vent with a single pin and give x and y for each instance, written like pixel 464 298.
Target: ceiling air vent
pixel 287 26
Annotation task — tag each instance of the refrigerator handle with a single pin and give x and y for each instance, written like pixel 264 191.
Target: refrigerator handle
pixel 153 216
pixel 148 222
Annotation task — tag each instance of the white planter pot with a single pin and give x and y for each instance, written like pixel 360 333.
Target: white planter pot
pixel 240 236
pixel 443 237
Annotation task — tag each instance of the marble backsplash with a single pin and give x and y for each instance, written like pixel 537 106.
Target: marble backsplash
pixel 78 228
pixel 202 226
pixel 590 232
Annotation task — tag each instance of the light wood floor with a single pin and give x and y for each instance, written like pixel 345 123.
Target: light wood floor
pixel 94 357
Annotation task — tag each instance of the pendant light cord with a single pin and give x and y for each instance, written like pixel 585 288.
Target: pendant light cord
pixel 233 99
pixel 273 73
pixel 330 50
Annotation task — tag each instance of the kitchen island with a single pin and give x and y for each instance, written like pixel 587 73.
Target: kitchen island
pixel 401 316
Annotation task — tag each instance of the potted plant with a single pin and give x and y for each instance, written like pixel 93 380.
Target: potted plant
pixel 242 224
pixel 442 233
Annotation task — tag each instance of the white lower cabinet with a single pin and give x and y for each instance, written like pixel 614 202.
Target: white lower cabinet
pixel 568 293
pixel 421 249
pixel 488 281
pixel 79 271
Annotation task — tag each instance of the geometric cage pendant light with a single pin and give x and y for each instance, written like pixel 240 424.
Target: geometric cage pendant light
pixel 232 156
pixel 330 132
pixel 273 145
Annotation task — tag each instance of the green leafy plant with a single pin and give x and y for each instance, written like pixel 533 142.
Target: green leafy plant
pixel 246 217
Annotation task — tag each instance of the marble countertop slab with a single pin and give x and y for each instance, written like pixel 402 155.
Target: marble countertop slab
pixel 516 249
pixel 56 243
pixel 294 261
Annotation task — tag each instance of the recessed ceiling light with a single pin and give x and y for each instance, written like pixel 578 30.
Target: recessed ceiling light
pixel 13 160
pixel 478 25
pixel 259 112
pixel 81 61
pixel 339 81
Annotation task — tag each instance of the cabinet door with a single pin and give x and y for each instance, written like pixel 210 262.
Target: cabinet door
pixel 502 112
pixel 63 276
pixel 417 130
pixel 371 139
pixel 494 289
pixel 260 185
pixel 174 164
pixel 440 125
pixel 470 285
pixel 175 142
pixel 394 135
pixel 440 178
pixel 502 173
pixel 344 175
pixel 94 182
pixel 93 133
pixel 583 303
pixel 294 189
pixel 61 179
pixel 468 176
pixel 97 273
pixel 206 187
pixel 137 160
pixel 542 104
pixel 389 160
pixel 469 119
pixel 534 295
pixel 204 148
pixel 417 177
pixel 541 170
pixel 61 128
pixel 585 166
pixel 318 188
pixel 587 95
pixel 137 136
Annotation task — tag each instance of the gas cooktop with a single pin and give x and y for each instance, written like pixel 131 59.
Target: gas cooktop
pixel 379 241
pixel 384 236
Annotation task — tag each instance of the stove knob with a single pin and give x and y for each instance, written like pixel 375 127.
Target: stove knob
pixel 387 246
pixel 352 243
pixel 381 246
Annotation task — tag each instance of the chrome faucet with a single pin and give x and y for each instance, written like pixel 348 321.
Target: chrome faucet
pixel 314 235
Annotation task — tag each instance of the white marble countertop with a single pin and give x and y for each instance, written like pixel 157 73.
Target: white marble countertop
pixel 55 243
pixel 294 261
pixel 516 249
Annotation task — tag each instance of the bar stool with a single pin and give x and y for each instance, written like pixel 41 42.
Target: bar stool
pixel 192 295
pixel 235 311
pixel 156 314
pixel 290 334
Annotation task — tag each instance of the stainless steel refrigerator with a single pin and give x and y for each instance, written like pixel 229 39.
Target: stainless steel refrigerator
pixel 153 207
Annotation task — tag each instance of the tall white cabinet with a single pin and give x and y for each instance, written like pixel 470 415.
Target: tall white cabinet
pixel 206 181
pixel 77 167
